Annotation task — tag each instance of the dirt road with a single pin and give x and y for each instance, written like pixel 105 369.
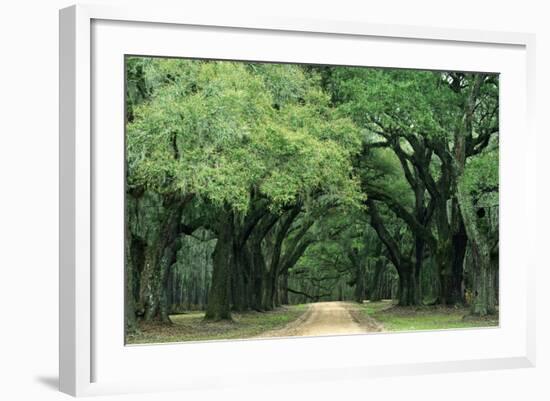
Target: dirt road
pixel 328 318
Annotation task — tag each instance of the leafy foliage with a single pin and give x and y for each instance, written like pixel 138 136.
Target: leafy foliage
pixel 255 184
pixel 221 129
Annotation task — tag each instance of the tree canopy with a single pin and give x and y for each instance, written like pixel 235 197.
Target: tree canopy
pixel 295 183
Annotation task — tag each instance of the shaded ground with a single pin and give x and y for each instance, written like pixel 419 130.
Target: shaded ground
pixel 316 319
pixel 396 318
pixel 192 327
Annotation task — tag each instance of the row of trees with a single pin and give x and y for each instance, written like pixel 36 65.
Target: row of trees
pixel 253 185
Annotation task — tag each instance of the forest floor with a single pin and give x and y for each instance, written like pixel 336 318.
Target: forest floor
pixel 397 318
pixel 191 326
pixel 315 319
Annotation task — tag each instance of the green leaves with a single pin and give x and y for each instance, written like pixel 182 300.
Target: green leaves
pixel 480 178
pixel 221 129
pixel 404 101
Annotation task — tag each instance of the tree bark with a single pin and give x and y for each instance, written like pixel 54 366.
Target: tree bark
pixel 159 256
pixel 168 259
pixel 419 246
pixel 256 260
pixel 231 265
pixel 284 289
pixel 279 263
pixel 455 295
pixel 483 269
pixel 484 281
pixel 239 276
pixel 408 294
pixel 257 267
pixel 268 290
pixel 219 307
pixel 129 300
pixel 408 287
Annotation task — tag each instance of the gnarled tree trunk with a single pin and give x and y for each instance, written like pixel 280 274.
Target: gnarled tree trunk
pixel 219 306
pixel 408 287
pixel 129 300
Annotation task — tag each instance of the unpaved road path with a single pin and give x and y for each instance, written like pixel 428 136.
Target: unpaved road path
pixel 328 318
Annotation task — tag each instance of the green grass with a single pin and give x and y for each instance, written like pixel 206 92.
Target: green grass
pixel 395 318
pixel 191 326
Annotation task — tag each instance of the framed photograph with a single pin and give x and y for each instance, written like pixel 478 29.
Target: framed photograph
pixel 281 200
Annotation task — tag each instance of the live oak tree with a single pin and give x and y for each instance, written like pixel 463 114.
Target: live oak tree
pixel 251 185
pixel 244 147
pixel 433 122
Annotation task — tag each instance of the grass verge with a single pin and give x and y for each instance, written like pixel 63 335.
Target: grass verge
pixel 192 326
pixel 397 318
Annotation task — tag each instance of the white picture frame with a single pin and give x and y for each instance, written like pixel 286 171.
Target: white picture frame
pixel 92 353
